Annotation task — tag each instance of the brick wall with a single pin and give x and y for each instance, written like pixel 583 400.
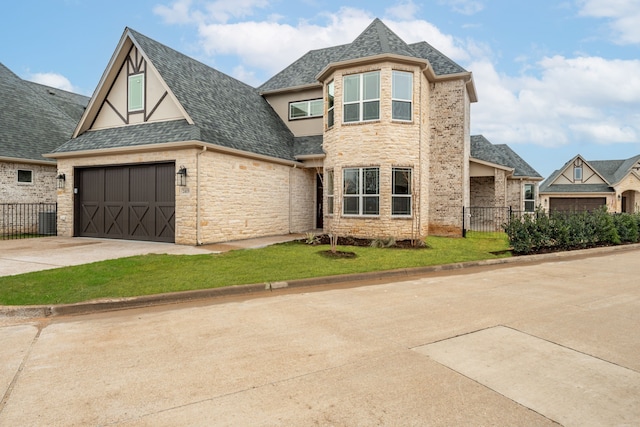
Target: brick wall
pixel 41 190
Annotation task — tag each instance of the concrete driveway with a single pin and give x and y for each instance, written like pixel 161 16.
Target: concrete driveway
pixel 27 255
pixel 553 343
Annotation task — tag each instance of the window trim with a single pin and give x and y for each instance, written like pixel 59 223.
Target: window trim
pixel 395 99
pixel 577 173
pixel 361 194
pixel 361 101
pixel 330 192
pixel 409 195
pixel 308 103
pixel 135 108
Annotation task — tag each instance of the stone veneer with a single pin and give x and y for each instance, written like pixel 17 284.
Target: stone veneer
pixel 41 190
pixel 227 197
pixel 435 144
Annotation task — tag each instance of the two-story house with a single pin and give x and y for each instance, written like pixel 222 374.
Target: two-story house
pixel 368 139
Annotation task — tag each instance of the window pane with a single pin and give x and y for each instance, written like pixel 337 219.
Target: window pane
pixel 352 112
pixel 351 205
pixel 330 94
pixel 371 181
pixel 330 182
pixel 316 107
pixel 25 176
pixel 401 206
pixel 136 92
pixel 401 181
pixel 371 110
pixel 401 110
pixel 330 205
pixel 402 85
pixel 529 206
pixel 352 88
pixel 371 205
pixel 528 191
pixel 371 86
pixel 298 109
pixel 330 118
pixel 351 181
pixel 577 173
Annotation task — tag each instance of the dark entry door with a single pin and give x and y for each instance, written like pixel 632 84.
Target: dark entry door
pixel 134 202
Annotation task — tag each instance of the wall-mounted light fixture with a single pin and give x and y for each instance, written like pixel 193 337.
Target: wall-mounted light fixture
pixel 60 179
pixel 619 196
pixel 182 176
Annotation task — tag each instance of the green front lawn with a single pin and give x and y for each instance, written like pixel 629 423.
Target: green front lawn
pixel 153 274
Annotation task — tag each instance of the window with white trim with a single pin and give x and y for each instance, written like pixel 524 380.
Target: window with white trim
pixel 577 173
pixel 305 109
pixel 329 183
pixel 25 176
pixel 330 103
pixel 136 92
pixel 401 197
pixel 529 197
pixel 361 97
pixel 402 95
pixel 361 191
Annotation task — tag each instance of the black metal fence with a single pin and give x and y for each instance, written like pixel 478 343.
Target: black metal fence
pixel 25 220
pixel 487 220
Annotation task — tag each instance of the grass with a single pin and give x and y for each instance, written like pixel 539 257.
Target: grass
pixel 153 274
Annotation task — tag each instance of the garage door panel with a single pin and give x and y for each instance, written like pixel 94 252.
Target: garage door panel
pixel 127 202
pixel 576 204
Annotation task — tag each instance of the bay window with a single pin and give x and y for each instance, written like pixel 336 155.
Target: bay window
pixel 402 95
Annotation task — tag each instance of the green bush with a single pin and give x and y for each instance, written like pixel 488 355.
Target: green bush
pixel 539 231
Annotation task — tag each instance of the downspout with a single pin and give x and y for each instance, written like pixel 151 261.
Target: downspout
pixel 198 233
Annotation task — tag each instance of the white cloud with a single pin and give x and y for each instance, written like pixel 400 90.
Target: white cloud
pixel 53 80
pixel 623 16
pixel 405 10
pixel 588 99
pixel 465 7
pixel 219 11
pixel 178 13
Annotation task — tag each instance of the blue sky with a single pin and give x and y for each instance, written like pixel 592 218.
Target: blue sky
pixel 554 78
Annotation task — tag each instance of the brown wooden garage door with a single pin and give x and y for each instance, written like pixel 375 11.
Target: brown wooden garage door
pixel 576 204
pixel 135 202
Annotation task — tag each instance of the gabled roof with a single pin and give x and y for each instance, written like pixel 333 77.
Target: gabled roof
pixel 503 155
pixel 611 171
pixel 377 39
pixel 35 118
pixel 224 111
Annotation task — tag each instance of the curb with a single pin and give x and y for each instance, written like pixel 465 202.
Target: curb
pixel 103 305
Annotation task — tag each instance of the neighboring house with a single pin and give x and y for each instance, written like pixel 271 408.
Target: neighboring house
pixel 35 120
pixel 499 177
pixel 587 185
pixel 368 139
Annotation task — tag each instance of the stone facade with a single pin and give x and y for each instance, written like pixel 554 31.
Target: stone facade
pixel 238 197
pixel 42 189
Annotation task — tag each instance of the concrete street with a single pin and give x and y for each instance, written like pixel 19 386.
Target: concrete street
pixel 523 344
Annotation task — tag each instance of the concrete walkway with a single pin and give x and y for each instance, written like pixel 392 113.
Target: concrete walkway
pixel 528 344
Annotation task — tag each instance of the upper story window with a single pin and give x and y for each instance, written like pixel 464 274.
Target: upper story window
pixel 361 97
pixel 25 176
pixel 136 92
pixel 402 95
pixel 305 109
pixel 577 173
pixel 330 103
pixel 401 191
pixel 361 191
pixel 529 197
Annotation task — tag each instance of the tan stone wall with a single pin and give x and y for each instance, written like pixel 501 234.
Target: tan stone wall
pixel 238 197
pixel 449 157
pixel 382 143
pixel 41 190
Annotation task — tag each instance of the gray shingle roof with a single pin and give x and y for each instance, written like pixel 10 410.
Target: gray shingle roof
pixel 613 171
pixel 376 39
pixel 35 118
pixel 224 110
pixel 308 145
pixel 501 154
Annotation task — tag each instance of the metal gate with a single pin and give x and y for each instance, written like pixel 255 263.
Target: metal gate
pixel 135 202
